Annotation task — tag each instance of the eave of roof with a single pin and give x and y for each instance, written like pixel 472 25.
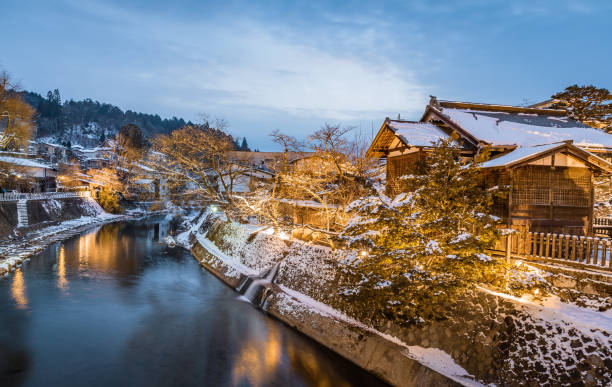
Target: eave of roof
pixel 461 131
pixel 546 151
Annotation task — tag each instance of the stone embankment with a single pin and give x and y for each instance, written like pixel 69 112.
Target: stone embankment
pixel 494 337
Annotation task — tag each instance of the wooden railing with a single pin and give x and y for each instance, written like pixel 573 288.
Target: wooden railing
pixel 589 252
pixel 603 226
pixel 13 196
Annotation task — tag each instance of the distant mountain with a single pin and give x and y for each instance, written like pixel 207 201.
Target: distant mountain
pixel 89 122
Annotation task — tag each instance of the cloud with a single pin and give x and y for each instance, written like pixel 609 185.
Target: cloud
pixel 257 69
pixel 230 62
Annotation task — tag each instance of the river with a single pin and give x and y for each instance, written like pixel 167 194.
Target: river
pixel 114 307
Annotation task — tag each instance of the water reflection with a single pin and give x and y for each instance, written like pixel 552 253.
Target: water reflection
pixel 18 289
pixel 257 362
pixel 62 282
pixel 139 313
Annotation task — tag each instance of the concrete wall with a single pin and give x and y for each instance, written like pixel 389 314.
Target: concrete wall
pixel 41 212
pixel 8 218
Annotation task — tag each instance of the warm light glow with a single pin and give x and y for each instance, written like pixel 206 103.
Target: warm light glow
pixel 363 253
pixel 256 365
pixel 62 282
pixel 18 289
pixel 536 292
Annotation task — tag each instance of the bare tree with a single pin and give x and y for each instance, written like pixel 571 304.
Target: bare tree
pixel 16 116
pixel 199 157
pixel 129 149
pixel 289 144
pixel 330 144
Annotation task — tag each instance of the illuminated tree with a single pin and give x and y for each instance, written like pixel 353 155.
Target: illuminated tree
pixel 425 247
pixel 16 116
pixel 198 157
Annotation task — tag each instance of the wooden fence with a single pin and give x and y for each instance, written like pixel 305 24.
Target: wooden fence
pixel 603 226
pixel 589 252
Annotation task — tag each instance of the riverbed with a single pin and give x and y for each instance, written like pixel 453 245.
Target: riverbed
pixel 115 306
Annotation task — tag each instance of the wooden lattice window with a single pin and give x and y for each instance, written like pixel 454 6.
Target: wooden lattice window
pixel 399 166
pixel 534 185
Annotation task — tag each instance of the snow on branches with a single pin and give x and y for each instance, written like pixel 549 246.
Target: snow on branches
pixel 426 244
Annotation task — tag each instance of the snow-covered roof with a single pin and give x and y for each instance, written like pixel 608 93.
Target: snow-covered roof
pixel 49 143
pixel 144 181
pixel 531 153
pixel 416 133
pixel 505 128
pixel 520 153
pixel 24 162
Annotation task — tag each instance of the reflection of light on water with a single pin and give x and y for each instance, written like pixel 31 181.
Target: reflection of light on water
pixel 257 364
pixel 304 359
pixel 273 351
pixel 62 282
pixel 18 289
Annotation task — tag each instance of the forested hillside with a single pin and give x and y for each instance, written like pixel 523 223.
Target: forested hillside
pixel 89 122
pixel 78 121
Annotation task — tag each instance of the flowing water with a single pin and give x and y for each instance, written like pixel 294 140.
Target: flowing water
pixel 114 307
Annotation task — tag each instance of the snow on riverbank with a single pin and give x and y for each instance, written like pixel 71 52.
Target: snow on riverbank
pixel 13 252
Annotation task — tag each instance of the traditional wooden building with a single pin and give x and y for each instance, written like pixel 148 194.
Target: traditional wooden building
pixel 548 160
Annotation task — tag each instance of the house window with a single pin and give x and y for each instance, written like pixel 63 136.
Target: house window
pixel 561 186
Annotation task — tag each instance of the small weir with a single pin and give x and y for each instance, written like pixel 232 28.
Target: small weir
pixel 257 289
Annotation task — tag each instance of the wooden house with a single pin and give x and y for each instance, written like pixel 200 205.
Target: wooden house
pixel 28 175
pixel 547 159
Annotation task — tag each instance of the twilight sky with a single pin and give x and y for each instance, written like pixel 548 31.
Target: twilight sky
pixel 294 65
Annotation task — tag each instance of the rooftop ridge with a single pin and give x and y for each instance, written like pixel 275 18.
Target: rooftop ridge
pixel 409 122
pixel 500 108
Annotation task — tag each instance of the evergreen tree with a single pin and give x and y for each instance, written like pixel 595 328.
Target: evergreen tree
pixel 587 104
pixel 423 248
pixel 244 147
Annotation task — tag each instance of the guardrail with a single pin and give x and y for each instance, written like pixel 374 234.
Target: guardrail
pixel 588 252
pixel 13 196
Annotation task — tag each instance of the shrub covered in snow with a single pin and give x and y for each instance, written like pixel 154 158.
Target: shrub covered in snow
pixel 429 244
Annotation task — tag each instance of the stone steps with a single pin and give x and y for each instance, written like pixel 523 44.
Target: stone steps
pixel 22 213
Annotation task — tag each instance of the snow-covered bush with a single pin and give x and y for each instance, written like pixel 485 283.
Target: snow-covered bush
pixel 424 247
